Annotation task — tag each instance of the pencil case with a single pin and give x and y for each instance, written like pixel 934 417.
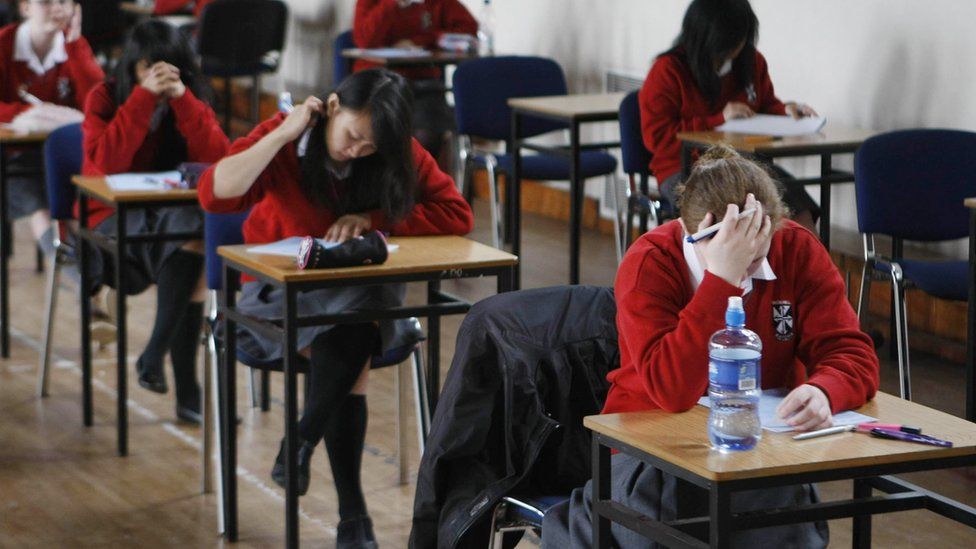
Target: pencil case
pixel 369 249
pixel 190 173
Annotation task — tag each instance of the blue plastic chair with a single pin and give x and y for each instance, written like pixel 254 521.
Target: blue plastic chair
pixel 482 88
pixel 635 160
pixel 341 66
pixel 226 230
pixel 62 160
pixel 910 186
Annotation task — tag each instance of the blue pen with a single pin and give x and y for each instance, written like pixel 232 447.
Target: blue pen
pixel 910 437
pixel 284 103
pixel 710 231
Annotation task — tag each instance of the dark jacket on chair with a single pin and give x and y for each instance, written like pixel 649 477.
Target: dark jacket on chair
pixel 527 367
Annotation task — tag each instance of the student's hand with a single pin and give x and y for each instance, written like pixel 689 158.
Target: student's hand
pixel 73 29
pixel 160 78
pixel 734 110
pixel 799 110
pixel 406 44
pixel 300 119
pixel 348 226
pixel 806 408
pixel 737 244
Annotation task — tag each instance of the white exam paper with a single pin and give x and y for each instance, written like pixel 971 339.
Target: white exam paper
pixel 771 398
pixel 142 181
pixel 774 125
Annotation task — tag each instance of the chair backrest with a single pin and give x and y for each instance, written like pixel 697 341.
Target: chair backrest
pixel 341 66
pixel 911 184
pixel 482 88
pixel 62 159
pixel 220 230
pixel 635 157
pixel 240 33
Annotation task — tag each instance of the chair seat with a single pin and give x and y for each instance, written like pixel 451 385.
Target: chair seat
pixel 944 279
pixel 555 167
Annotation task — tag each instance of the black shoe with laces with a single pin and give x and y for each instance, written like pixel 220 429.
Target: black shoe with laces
pixel 305 450
pixel 356 533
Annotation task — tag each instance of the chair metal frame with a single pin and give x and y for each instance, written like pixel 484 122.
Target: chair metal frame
pixel 501 522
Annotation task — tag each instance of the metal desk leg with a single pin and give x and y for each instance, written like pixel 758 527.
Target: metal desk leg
pixel 122 419
pixel 600 487
pixel 971 324
pixel 514 195
pixel 720 509
pixel 504 280
pixel 433 348
pixel 85 298
pixel 5 234
pixel 291 416
pixel 227 392
pixel 861 530
pixel 826 168
pixel 576 188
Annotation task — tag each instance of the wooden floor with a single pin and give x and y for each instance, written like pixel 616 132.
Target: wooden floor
pixel 61 485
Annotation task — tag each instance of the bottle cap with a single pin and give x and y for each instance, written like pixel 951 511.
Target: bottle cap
pixel 735 315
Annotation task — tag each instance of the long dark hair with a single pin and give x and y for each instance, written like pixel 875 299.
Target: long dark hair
pixel 384 180
pixel 711 30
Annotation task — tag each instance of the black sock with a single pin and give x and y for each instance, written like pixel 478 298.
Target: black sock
pixel 175 284
pixel 344 440
pixel 183 355
pixel 338 357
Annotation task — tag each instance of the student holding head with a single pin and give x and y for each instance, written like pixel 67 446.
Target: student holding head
pixel 671 297
pixel 712 74
pixel 151 114
pixel 43 60
pixel 415 24
pixel 336 169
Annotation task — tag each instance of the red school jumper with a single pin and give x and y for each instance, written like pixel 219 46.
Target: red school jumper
pixel 118 139
pixel 809 331
pixel 167 7
pixel 66 84
pixel 383 23
pixel 670 102
pixel 280 209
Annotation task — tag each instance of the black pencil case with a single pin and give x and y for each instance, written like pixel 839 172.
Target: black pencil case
pixel 369 249
pixel 190 173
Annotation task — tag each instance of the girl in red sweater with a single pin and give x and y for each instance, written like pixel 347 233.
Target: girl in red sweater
pixel 714 73
pixel 416 24
pixel 335 168
pixel 42 59
pixel 152 114
pixel 671 297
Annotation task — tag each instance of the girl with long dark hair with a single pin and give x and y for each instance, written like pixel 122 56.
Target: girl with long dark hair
pixel 335 168
pixel 712 74
pixel 151 114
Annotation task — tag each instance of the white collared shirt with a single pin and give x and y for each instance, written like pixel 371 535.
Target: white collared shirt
pixel 24 51
pixel 764 272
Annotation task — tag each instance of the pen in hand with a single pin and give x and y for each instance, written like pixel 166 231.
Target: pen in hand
pixel 710 231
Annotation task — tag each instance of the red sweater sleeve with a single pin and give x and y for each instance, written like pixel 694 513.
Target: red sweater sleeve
pixel 840 358
pixel 84 71
pixel 769 103
pixel 440 208
pixel 111 137
pixel 664 339
pixel 197 123
pixel 373 21
pixel 9 110
pixel 253 195
pixel 166 7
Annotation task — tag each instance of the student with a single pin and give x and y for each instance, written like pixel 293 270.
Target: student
pixel 170 7
pixel 44 58
pixel 415 24
pixel 712 74
pixel 152 114
pixel 671 297
pixel 335 169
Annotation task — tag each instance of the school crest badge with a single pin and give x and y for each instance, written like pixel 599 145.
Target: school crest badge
pixel 64 88
pixel 783 320
pixel 426 20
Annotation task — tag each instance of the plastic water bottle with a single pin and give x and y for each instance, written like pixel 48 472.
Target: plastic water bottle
pixel 734 356
pixel 486 30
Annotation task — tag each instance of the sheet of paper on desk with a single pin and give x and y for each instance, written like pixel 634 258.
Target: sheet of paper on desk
pixel 771 398
pixel 289 247
pixel 774 125
pixel 143 181
pixel 396 52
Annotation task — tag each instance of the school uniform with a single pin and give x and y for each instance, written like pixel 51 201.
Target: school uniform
pixel 671 102
pixel 667 309
pixel 64 77
pixel 143 136
pixel 280 209
pixel 169 7
pixel 383 23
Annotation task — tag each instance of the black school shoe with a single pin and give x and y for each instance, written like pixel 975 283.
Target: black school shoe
pixel 189 412
pixel 305 450
pixel 151 380
pixel 356 533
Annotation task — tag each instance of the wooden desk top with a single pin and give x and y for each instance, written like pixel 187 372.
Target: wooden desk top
pixel 970 203
pixel 8 137
pixel 417 254
pixel 604 105
pixel 99 187
pixel 136 8
pixel 829 137
pixel 682 439
pixel 423 57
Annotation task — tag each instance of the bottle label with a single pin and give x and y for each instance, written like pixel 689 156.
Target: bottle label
pixel 734 374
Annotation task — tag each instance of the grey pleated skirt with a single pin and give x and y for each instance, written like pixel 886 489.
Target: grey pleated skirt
pixel 265 301
pixel 25 194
